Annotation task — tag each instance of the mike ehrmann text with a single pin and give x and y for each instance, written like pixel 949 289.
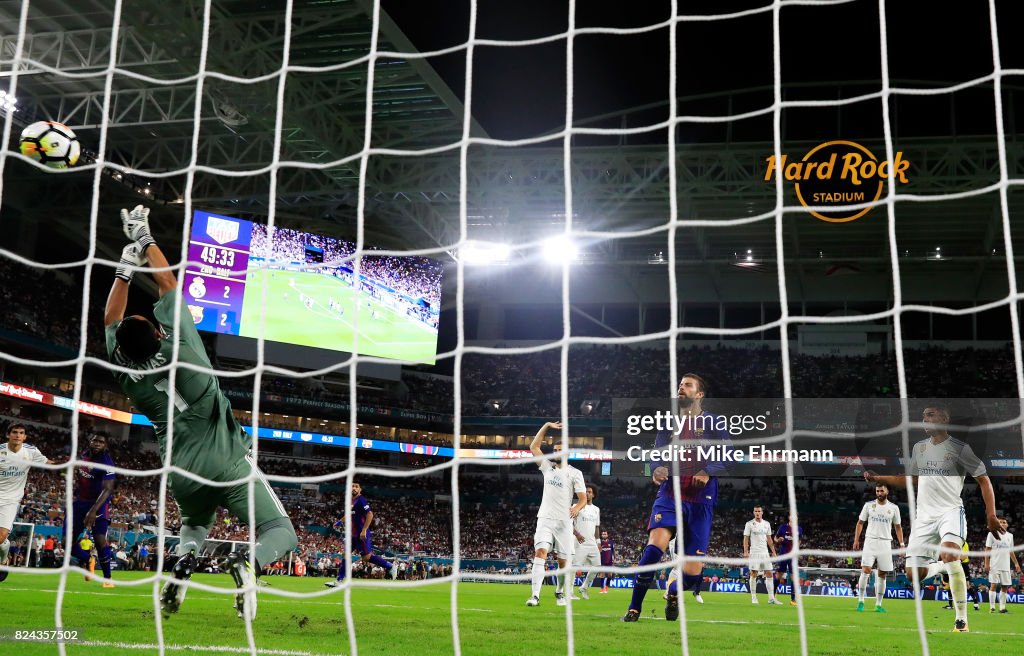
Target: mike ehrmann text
pixel 723 454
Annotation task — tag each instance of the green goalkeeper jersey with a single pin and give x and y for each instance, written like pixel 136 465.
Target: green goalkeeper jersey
pixel 206 439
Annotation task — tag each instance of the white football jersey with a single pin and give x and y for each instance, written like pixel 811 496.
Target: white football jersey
pixel 760 532
pixel 587 522
pixel 14 468
pixel 999 558
pixel 559 487
pixel 881 518
pixel 941 469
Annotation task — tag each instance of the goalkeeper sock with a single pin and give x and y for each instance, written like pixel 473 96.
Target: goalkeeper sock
pixel 537 577
pixel 958 589
pixel 862 586
pixel 5 548
pixel 274 538
pixel 191 539
pixel 880 582
pixel 652 555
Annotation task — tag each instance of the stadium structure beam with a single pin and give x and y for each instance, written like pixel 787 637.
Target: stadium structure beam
pixel 77 51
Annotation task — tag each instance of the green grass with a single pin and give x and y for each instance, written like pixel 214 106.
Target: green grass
pixel 390 335
pixel 493 620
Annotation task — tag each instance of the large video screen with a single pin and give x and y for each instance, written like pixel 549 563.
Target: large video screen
pixel 303 288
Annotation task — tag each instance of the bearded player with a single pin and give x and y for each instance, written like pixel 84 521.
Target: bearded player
pixel 881 517
pixel 698 487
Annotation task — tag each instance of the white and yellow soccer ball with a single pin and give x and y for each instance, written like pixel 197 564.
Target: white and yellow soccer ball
pixel 50 143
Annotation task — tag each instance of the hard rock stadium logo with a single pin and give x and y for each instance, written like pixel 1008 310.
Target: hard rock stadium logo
pixel 838 174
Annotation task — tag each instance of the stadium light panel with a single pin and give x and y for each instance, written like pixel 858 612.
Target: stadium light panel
pixel 485 252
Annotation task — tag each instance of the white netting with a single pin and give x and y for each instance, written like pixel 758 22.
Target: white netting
pixel 19 64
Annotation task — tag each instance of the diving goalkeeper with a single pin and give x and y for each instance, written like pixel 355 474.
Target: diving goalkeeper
pixel 206 440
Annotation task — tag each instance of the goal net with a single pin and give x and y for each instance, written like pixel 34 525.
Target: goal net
pixel 325 125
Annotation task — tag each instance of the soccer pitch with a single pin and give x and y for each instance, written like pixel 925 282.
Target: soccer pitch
pixel 493 620
pixel 389 334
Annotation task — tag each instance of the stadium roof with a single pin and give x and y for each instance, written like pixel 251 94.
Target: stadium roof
pixel 515 192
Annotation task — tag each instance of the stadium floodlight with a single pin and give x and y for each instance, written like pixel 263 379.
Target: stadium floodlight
pixel 8 102
pixel 485 252
pixel 560 247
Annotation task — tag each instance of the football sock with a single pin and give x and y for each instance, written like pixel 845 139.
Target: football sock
pixel 958 589
pixel 537 576
pixel 652 555
pixel 273 539
pixel 935 569
pixel 769 583
pixel 104 555
pixel 693 582
pixel 862 586
pixel 589 581
pixel 5 548
pixel 880 582
pixel 753 585
pixel 1002 599
pixel 380 562
pixel 191 539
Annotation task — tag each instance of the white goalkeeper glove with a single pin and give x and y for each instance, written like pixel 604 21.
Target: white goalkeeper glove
pixel 136 226
pixel 131 256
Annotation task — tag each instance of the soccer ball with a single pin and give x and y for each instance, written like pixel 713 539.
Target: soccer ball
pixel 50 143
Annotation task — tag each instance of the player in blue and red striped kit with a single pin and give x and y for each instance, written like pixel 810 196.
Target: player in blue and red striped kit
pixel 784 538
pixel 362 519
pixel 607 549
pixel 698 487
pixel 91 508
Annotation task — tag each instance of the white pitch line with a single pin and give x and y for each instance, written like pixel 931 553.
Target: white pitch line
pixel 263 599
pixel 227 649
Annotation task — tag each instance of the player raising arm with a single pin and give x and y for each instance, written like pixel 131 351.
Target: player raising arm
pixel 554 518
pixel 938 466
pixel 881 516
pixel 206 440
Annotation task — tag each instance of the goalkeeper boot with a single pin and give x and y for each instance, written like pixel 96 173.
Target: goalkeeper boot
pixel 672 608
pixel 173 594
pixel 241 571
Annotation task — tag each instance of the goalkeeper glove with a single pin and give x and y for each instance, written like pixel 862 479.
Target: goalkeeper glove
pixel 131 256
pixel 136 226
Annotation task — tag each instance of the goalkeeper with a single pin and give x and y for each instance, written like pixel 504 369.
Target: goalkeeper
pixel 206 440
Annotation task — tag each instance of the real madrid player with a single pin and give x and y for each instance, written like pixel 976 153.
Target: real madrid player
pixel 757 540
pixel 16 458
pixel 555 516
pixel 998 554
pixel 938 466
pixel 586 531
pixel 881 516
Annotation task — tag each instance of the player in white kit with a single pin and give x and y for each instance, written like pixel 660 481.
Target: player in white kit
pixel 16 458
pixel 938 466
pixel 586 531
pixel 757 540
pixel 881 516
pixel 563 559
pixel 998 554
pixel 554 518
